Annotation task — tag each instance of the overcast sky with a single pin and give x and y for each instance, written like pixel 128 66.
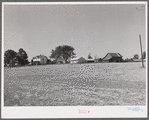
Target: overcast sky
pixel 96 29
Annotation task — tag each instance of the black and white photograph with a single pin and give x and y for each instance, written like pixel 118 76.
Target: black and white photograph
pixel 74 59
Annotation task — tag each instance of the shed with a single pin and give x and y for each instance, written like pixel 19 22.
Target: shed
pixel 98 60
pixel 16 63
pixel 78 60
pixel 112 57
pixel 138 60
pixel 40 60
pixel 90 60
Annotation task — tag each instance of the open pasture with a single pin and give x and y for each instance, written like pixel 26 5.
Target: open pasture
pixel 97 84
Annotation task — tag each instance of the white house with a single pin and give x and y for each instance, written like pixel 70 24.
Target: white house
pixel 41 59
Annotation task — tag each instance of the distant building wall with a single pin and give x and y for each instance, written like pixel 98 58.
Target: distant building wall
pixel 90 60
pixel 43 60
pixel 60 60
pixel 74 61
pixel 81 60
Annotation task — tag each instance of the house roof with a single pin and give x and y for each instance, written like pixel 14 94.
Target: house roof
pixel 38 56
pixel 115 54
pixel 75 59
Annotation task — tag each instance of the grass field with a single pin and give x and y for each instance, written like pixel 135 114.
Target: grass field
pixel 97 84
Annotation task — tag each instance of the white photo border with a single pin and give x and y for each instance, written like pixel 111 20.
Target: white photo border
pixel 71 111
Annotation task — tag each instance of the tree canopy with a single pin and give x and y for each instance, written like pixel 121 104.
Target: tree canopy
pixel 9 55
pixel 144 55
pixel 22 57
pixel 64 51
pixel 136 56
pixel 89 56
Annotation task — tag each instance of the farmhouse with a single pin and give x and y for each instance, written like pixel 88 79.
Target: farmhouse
pixel 112 57
pixel 16 63
pixel 39 60
pixel 78 60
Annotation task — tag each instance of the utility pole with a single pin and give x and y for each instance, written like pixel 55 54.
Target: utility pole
pixel 141 50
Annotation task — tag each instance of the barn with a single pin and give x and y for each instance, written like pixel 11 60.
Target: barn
pixel 78 60
pixel 40 60
pixel 112 57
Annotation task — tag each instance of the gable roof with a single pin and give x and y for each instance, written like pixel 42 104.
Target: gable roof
pixel 77 58
pixel 115 54
pixel 112 55
pixel 38 57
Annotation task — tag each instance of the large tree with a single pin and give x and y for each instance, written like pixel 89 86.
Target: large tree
pixel 144 55
pixel 22 57
pixel 9 55
pixel 136 56
pixel 64 51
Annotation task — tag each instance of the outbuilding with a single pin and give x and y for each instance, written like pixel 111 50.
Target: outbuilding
pixel 78 60
pixel 112 57
pixel 97 60
pixel 138 60
pixel 90 60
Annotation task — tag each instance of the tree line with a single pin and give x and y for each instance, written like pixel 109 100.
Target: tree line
pixel 66 52
pixel 136 56
pixel 21 56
